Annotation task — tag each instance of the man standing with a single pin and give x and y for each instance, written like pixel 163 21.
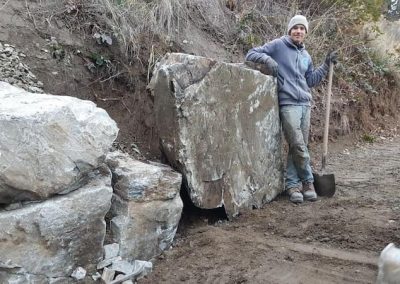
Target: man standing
pixel 288 60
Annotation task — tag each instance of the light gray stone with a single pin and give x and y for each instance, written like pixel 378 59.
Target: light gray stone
pixel 146 206
pixel 79 273
pixel 53 237
pixel 96 276
pixel 108 275
pixel 138 181
pixel 219 126
pixel 145 229
pixel 140 269
pixel 107 262
pixel 111 251
pixel 48 144
pixel 122 266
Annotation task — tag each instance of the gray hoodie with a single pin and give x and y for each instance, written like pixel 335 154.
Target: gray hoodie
pixel 296 74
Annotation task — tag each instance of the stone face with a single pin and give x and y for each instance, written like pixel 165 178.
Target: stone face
pixel 219 126
pixel 48 144
pixel 145 229
pixel 54 237
pixel 146 206
pixel 134 180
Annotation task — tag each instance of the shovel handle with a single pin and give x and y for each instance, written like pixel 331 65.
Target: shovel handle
pixel 327 114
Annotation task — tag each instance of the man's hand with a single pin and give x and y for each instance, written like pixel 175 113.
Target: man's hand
pixel 331 57
pixel 272 66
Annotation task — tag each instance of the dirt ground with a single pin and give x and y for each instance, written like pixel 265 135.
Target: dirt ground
pixel 332 240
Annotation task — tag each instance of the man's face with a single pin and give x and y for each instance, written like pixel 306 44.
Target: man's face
pixel 297 33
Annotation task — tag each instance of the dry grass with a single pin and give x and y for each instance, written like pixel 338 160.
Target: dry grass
pixel 131 19
pixel 128 20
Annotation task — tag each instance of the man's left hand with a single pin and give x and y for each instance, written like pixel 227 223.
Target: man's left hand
pixel 331 57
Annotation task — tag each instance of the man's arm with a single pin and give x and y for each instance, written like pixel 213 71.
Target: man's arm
pixel 262 54
pixel 315 76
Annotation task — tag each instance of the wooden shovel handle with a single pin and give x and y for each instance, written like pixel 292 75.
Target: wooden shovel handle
pixel 327 114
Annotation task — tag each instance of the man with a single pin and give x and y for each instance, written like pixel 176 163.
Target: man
pixel 288 60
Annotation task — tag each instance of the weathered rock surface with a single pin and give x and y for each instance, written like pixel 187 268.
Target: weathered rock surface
pixel 219 126
pixel 146 206
pixel 48 144
pixel 48 240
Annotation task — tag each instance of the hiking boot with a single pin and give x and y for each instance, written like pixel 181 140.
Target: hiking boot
pixel 308 191
pixel 295 195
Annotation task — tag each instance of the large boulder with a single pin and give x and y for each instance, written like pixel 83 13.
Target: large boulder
pixel 47 240
pixel 146 206
pixel 48 144
pixel 219 126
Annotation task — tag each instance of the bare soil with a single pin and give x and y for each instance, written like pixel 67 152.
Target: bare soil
pixel 332 240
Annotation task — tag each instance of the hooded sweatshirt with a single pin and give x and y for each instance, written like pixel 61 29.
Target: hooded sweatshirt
pixel 296 74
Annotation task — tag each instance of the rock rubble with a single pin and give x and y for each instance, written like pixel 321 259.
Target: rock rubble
pixel 15 72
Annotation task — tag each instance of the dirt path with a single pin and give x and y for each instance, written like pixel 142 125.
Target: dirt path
pixel 335 240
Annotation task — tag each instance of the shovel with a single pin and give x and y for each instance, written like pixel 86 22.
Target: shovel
pixel 325 183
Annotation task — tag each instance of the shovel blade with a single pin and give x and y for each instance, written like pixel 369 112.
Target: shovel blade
pixel 324 184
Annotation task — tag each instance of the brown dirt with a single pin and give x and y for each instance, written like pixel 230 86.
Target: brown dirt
pixel 333 240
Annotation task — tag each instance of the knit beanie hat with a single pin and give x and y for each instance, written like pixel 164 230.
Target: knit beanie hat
pixel 297 20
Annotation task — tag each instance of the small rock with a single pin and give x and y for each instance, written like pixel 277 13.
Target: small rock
pixel 96 276
pixel 122 266
pixel 185 41
pixel 108 275
pixel 79 273
pixel 111 250
pixel 142 268
pixel 107 262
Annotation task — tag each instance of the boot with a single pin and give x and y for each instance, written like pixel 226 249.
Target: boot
pixel 295 195
pixel 308 191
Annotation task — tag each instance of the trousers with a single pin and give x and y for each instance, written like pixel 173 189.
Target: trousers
pixel 295 121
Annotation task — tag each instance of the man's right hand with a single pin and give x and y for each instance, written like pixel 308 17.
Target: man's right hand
pixel 272 66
